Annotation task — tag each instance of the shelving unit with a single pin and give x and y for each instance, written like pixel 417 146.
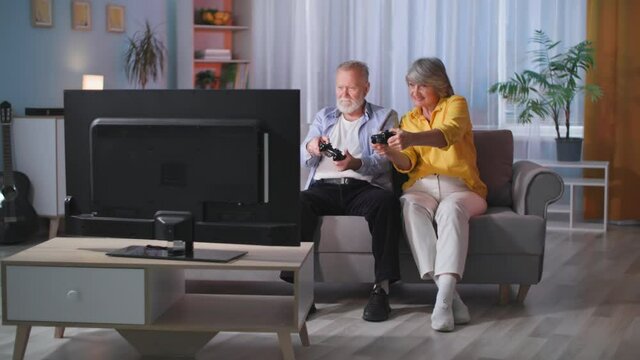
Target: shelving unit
pixel 573 182
pixel 234 37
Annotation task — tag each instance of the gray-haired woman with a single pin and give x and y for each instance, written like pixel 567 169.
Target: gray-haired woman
pixel 434 146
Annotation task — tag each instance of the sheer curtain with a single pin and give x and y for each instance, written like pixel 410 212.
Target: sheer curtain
pixel 297 44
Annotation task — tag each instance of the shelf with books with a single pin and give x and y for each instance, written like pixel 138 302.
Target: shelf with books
pixel 215 45
pixel 227 74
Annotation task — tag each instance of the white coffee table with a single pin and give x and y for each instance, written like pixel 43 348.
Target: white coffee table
pixel 70 282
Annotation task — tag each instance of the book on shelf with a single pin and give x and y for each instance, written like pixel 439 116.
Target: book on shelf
pixel 242 76
pixel 234 76
pixel 213 54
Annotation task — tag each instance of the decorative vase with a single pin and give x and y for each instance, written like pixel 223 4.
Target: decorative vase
pixel 569 149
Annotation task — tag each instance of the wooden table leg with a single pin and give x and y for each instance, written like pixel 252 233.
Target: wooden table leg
pixel 54 224
pixel 22 337
pixel 304 335
pixel 58 332
pixel 284 337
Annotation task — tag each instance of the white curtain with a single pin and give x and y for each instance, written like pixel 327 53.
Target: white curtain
pixel 297 44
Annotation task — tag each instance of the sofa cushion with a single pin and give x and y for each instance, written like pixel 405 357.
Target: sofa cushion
pixel 490 233
pixel 501 231
pixel 495 162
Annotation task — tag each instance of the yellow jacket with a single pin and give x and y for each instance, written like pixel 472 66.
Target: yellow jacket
pixel 458 158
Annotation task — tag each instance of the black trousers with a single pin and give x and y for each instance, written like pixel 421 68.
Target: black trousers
pixel 381 209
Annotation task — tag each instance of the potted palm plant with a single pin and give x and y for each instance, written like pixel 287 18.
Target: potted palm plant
pixel 549 90
pixel 144 57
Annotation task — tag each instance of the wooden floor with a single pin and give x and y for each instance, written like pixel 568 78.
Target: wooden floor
pixel 586 307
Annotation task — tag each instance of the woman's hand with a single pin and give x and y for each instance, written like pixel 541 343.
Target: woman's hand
pixel 382 149
pixel 401 140
pixel 399 159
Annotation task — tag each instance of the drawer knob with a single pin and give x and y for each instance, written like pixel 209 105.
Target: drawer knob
pixel 73 295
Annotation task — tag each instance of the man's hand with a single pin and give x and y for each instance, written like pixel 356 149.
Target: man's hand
pixel 401 140
pixel 348 163
pixel 313 146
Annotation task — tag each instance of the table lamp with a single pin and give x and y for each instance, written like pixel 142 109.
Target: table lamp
pixel 92 82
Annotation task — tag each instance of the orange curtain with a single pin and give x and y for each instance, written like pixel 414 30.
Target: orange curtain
pixel 612 125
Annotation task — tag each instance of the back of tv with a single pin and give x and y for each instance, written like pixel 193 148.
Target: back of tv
pixel 263 210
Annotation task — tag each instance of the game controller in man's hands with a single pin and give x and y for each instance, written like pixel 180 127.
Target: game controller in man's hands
pixel 382 137
pixel 328 150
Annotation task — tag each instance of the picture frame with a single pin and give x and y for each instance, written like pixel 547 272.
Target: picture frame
pixel 115 18
pixel 41 13
pixel 81 15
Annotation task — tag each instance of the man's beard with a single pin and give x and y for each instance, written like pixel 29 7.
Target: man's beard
pixel 348 106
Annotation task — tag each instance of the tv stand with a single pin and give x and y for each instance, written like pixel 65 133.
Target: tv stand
pixel 145 300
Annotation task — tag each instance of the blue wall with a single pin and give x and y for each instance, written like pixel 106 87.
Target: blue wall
pixel 38 64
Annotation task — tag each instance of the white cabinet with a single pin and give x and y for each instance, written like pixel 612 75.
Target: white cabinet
pixel 38 150
pixel 571 183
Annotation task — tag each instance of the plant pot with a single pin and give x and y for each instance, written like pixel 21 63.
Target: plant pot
pixel 569 149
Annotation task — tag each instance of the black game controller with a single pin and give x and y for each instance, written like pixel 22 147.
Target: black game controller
pixel 328 150
pixel 382 137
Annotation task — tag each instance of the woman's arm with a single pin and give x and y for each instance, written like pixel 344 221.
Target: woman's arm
pixel 399 159
pixel 404 139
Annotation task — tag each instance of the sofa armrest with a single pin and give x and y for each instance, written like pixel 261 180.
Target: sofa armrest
pixel 534 188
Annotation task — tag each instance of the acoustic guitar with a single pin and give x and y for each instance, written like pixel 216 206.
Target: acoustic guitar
pixel 18 219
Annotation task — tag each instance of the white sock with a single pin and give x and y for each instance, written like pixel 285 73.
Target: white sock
pixel 442 316
pixel 384 284
pixel 460 310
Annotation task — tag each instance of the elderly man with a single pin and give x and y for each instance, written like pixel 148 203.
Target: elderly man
pixel 358 184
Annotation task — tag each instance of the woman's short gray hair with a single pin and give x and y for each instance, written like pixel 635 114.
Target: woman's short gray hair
pixel 431 72
pixel 355 65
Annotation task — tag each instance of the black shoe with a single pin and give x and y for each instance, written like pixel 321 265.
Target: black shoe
pixel 286 276
pixel 377 308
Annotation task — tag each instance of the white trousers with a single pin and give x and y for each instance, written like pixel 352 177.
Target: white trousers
pixel 447 202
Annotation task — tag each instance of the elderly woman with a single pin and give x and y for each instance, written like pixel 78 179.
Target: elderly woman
pixel 434 146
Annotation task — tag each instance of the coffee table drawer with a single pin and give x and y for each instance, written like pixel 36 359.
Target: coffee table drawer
pixel 75 294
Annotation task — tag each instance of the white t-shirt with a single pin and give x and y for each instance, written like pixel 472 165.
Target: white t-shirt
pixel 344 136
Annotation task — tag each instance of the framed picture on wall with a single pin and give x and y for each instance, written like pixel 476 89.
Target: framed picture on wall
pixel 41 13
pixel 115 18
pixel 81 15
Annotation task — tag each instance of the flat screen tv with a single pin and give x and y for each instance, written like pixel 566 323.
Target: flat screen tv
pixel 229 158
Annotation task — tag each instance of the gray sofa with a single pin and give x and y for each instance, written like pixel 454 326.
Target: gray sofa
pixel 506 244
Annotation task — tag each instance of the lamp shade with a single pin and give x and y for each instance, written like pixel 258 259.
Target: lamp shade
pixel 92 82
